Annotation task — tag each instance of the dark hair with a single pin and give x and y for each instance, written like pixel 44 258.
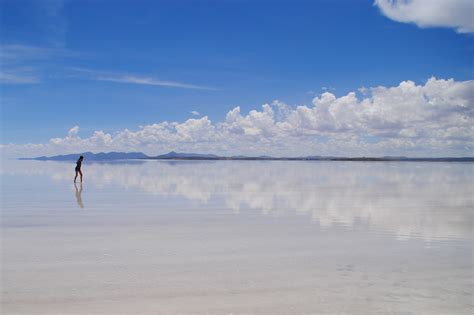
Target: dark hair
pixel 81 157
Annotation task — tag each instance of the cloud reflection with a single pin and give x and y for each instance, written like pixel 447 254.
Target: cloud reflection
pixel 410 200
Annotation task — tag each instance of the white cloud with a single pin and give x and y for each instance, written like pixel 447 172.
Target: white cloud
pixel 12 63
pixel 73 131
pixel 135 79
pixel 17 52
pixel 457 14
pixel 24 64
pixel 328 88
pixel 431 119
pixel 21 75
pixel 195 113
pixel 55 21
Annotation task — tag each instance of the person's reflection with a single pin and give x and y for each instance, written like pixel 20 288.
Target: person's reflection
pixel 78 195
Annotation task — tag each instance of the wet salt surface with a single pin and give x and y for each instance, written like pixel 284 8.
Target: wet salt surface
pixel 237 237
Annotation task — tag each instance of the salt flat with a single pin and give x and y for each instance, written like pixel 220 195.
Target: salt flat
pixel 240 237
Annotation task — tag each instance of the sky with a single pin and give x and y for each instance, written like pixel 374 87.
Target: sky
pixel 286 78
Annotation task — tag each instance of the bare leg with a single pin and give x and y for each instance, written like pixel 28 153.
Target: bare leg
pixel 76 176
pixel 80 174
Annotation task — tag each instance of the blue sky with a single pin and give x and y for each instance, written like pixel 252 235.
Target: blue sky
pixel 112 65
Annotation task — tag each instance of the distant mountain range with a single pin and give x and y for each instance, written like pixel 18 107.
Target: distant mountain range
pixel 175 155
pixel 92 156
pixel 111 156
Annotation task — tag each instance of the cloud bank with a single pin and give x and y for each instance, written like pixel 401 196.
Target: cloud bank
pixel 457 14
pixel 431 119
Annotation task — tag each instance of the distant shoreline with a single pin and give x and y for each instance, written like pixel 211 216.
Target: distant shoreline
pixel 356 159
pixel 174 156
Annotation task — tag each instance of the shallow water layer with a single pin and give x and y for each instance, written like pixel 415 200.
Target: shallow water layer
pixel 221 237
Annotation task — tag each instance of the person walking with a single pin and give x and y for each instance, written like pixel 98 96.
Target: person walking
pixel 78 167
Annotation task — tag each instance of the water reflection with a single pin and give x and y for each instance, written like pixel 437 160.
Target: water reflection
pixel 423 200
pixel 79 195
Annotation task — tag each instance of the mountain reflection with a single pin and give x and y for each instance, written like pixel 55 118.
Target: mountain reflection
pixel 422 200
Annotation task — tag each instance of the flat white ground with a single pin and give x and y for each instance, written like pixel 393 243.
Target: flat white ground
pixel 237 237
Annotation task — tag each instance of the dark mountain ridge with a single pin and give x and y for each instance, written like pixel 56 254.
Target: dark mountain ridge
pixel 111 156
pixel 92 156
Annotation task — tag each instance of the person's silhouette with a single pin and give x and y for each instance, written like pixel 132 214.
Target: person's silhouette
pixel 78 195
pixel 78 168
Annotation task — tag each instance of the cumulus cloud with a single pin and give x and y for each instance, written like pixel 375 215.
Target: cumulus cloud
pixel 457 14
pixel 431 119
pixel 73 131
